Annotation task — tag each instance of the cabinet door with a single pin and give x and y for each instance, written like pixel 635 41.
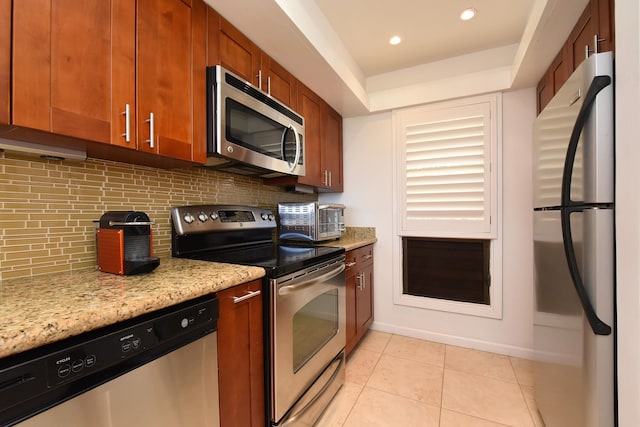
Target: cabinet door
pixel 241 356
pixel 237 53
pixel 309 105
pixel 199 18
pixel 73 66
pixel 5 59
pixel 581 38
pixel 278 82
pixel 351 329
pixel 606 27
pixel 331 149
pixel 364 301
pixel 164 78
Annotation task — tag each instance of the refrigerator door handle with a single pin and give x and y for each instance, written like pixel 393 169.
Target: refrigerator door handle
pixel 598 83
pixel 598 326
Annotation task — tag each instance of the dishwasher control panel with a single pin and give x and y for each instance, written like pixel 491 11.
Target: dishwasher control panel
pixel 43 377
pixel 99 353
pixel 116 347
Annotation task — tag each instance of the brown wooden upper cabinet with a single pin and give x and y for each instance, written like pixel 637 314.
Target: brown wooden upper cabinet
pixel 322 144
pixel 310 106
pixel 594 32
pixel 331 150
pixel 120 72
pixel 228 47
pixel 5 60
pixel 237 53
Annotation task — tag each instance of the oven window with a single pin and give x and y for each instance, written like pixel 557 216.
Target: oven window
pixel 313 326
pixel 329 220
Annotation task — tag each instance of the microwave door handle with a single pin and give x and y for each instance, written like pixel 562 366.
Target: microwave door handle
pixel 282 143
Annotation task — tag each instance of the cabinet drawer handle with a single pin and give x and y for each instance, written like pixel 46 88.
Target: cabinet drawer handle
pixel 367 256
pixel 236 300
pixel 152 126
pixel 350 264
pixel 127 123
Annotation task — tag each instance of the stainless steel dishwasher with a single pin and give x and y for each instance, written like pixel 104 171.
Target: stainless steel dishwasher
pixel 159 369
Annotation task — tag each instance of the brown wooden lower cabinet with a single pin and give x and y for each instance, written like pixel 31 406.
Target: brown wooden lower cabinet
pixel 241 356
pixel 359 283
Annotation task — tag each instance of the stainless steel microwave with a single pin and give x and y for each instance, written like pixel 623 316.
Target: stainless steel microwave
pixel 248 131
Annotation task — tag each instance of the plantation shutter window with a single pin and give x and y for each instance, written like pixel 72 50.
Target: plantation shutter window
pixel 446 184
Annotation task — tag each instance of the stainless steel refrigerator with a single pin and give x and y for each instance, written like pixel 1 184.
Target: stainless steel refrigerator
pixel 574 250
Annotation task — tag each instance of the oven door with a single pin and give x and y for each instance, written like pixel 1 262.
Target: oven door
pixel 308 330
pixel 330 220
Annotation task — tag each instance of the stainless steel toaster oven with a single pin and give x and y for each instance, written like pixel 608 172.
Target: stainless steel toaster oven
pixel 310 221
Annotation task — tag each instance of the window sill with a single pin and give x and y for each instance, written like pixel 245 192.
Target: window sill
pixel 471 309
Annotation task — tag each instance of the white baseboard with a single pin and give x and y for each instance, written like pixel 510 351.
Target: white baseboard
pixel 492 347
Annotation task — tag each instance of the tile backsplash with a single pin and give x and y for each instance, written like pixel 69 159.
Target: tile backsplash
pixel 47 207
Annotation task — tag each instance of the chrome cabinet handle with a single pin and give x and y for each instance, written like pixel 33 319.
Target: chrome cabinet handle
pixel 259 76
pixel 367 256
pixel 596 40
pixel 361 279
pixel 269 85
pixel 127 123
pixel 151 122
pixel 251 294
pixel 350 264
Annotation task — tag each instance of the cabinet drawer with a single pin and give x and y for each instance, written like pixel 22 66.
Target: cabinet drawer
pixel 351 262
pixel 365 256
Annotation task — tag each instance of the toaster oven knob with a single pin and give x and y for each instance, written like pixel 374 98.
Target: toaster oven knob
pixel 188 218
pixel 202 217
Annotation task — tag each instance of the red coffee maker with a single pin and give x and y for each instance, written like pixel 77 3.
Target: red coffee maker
pixel 125 244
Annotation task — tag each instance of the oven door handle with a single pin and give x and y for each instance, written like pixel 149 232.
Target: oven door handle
pixel 284 290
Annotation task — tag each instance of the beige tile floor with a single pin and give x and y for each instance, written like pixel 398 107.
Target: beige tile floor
pixel 396 381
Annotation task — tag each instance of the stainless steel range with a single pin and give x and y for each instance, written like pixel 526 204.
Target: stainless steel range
pixel 304 303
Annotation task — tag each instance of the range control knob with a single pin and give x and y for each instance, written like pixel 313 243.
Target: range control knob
pixel 264 216
pixel 202 217
pixel 213 216
pixel 271 217
pixel 188 218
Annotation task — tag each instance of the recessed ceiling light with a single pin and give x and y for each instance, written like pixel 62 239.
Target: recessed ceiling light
pixel 468 14
pixel 395 40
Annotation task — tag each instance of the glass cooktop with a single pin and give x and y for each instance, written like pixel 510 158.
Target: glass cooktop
pixel 277 260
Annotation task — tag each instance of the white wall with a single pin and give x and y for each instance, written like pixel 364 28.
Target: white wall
pixel 368 167
pixel 627 16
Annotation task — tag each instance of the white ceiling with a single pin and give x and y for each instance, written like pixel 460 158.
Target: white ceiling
pixel 430 29
pixel 339 48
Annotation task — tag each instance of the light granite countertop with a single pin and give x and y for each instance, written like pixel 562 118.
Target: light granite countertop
pixel 354 238
pixel 44 309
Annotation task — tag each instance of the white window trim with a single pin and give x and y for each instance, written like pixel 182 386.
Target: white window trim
pixel 494 309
